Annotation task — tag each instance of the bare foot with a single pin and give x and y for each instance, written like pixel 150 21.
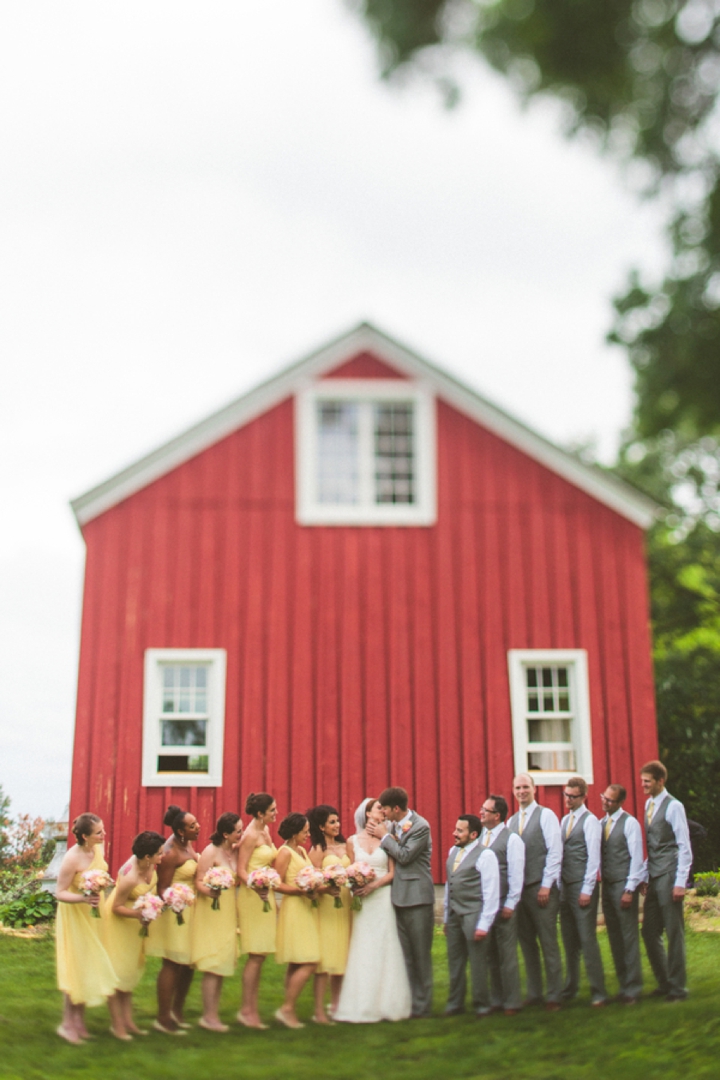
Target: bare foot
pixel 323 1019
pixel 121 1035
pixel 70 1036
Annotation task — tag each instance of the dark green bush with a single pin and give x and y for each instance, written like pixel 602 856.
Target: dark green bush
pixel 28 910
pixel 707 884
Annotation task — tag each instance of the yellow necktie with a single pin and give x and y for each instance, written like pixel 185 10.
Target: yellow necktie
pixel 570 824
pixel 608 827
pixel 650 811
pixel 486 841
pixel 458 857
pixel 522 822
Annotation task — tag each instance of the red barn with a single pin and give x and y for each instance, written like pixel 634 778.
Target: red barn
pixel 359 573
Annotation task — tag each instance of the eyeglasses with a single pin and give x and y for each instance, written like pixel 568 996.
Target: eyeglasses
pixel 572 795
pixel 488 810
pixel 604 798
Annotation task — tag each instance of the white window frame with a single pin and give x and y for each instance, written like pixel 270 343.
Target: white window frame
pixel 577 661
pixel 155 659
pixel 309 511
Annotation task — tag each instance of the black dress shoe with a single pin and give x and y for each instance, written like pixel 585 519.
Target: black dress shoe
pixel 453 1012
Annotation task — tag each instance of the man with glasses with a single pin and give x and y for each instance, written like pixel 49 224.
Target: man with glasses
pixel 581 837
pixel 537 911
pixel 622 874
pixel 506 992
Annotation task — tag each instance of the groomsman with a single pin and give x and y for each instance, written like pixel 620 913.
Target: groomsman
pixel 509 850
pixel 622 874
pixel 668 866
pixel 538 908
pixel 472 895
pixel 582 836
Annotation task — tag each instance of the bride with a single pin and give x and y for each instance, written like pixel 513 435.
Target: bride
pixel 376 985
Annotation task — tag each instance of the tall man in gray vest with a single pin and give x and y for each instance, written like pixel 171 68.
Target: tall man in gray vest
pixel 509 850
pixel 623 872
pixel 668 866
pixel 472 895
pixel 538 908
pixel 582 836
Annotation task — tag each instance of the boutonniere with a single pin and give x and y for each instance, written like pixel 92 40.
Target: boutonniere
pixel 406 827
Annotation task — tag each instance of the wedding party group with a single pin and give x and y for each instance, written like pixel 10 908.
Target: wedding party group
pixel 357 914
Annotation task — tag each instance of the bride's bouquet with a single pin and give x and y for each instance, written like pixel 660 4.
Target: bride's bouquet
pixel 149 906
pixel 95 882
pixel 219 878
pixel 359 875
pixel 178 898
pixel 336 877
pixel 310 880
pixel 261 880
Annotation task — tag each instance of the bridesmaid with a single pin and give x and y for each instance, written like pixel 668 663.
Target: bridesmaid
pixel 214 947
pixel 257 926
pixel 85 974
pixel 168 940
pixel 122 925
pixel 298 941
pixel 329 849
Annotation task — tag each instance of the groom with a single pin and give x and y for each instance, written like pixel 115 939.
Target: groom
pixel 413 893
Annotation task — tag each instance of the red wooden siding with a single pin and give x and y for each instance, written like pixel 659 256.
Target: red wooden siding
pixel 364 366
pixel 357 657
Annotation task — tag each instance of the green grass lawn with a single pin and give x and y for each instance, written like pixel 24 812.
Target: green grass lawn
pixel 653 1038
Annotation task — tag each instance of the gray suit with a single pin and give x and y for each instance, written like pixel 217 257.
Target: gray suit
pixel 661 912
pixel 621 923
pixel 413 897
pixel 464 905
pixel 503 939
pixel 578 925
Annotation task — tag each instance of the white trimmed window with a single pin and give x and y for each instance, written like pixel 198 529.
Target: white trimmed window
pixel 365 453
pixel 183 717
pixel 550 705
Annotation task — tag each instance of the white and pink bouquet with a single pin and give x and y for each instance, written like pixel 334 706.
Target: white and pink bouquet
pixel 359 875
pixel 310 880
pixel 336 877
pixel 94 883
pixel 261 880
pixel 219 878
pixel 150 906
pixel 178 898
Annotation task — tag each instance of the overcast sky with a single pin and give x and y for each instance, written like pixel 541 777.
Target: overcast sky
pixel 193 196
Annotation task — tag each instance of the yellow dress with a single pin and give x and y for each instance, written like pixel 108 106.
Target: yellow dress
pixel 122 940
pixel 334 925
pixel 298 940
pixel 166 939
pixel 258 928
pixel 84 971
pixel 214 937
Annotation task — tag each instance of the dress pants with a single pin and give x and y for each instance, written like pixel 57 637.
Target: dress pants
pixel 503 961
pixel 578 926
pixel 624 936
pixel 461 948
pixel 660 913
pixel 415 930
pixel 540 924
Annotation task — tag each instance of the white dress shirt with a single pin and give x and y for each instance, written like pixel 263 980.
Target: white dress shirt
pixel 593 837
pixel 515 860
pixel 676 818
pixel 633 834
pixel 550 827
pixel 487 866
pixel 395 827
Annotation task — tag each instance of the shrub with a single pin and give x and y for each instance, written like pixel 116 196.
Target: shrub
pixel 28 910
pixel 707 884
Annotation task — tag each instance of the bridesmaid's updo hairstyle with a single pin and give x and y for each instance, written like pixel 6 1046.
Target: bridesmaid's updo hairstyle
pixel 317 818
pixel 225 824
pixel 257 804
pixel 292 825
pixel 147 843
pixel 174 818
pixel 82 826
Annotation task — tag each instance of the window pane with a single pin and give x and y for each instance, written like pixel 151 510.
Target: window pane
pixel 172 763
pixel 168 677
pixel 552 761
pixel 531 676
pixel 184 732
pixel 547 674
pixel 562 676
pixel 548 703
pixel 185 676
pixel 564 703
pixel 338 449
pixel 533 703
pixel 394 453
pixel 555 729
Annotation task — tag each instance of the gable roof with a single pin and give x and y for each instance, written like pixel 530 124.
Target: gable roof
pixel 601 485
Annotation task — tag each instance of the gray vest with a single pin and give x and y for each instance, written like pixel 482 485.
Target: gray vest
pixel 464 893
pixel 615 852
pixel 499 847
pixel 662 847
pixel 575 853
pixel 535 846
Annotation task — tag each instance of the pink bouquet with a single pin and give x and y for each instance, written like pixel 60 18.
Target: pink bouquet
pixel 177 898
pixel 218 877
pixel 309 880
pixel 95 882
pixel 261 880
pixel 359 875
pixel 149 906
pixel 336 877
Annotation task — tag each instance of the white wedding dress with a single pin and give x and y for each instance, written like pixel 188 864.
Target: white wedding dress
pixel 376 985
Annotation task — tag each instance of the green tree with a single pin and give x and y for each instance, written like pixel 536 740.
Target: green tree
pixel 4 823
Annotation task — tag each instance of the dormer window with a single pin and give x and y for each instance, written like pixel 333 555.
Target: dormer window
pixel 366 453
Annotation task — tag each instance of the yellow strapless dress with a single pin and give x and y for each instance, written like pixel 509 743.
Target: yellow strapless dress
pixel 166 939
pixel 258 928
pixel 334 925
pixel 214 937
pixel 121 938
pixel 84 971
pixel 298 940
